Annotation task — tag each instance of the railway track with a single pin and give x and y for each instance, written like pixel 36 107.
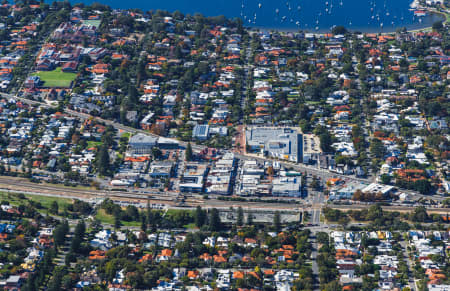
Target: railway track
pixel 22 185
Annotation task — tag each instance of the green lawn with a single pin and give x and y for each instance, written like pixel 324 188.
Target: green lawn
pixel 45 201
pixel 103 217
pixel 56 78
pixel 93 144
pixel 126 135
pixel 190 226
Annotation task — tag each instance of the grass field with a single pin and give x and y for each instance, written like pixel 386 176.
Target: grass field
pixel 45 201
pixel 93 144
pixel 56 78
pixel 190 226
pixel 103 217
pixel 126 134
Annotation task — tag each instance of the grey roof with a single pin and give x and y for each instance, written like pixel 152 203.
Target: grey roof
pixel 280 142
pixel 142 139
pixel 200 130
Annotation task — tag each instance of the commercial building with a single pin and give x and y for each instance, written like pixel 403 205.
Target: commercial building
pixel 193 179
pixel 201 132
pixel 287 186
pixel 378 188
pixel 276 142
pixel 141 144
pixel 221 175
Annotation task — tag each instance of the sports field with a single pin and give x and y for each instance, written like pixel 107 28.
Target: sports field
pixel 56 78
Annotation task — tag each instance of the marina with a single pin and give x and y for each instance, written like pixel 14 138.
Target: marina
pixel 293 15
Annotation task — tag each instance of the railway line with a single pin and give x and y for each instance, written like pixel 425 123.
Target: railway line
pixel 22 185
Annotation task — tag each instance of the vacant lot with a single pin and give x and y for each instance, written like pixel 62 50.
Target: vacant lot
pixel 56 78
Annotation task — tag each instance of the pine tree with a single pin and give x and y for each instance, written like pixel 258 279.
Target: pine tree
pixel 143 223
pixel 199 217
pixel 240 217
pixel 214 220
pixel 189 152
pixel 54 208
pixel 150 222
pixel 103 163
pixel 117 222
pixel 249 218
pixel 277 221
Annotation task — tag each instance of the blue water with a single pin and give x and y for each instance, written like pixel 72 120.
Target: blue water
pixel 311 15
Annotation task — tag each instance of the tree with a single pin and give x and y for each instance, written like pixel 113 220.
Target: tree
pixel 59 234
pixel 375 211
pixel 240 217
pixel 214 220
pixel 199 217
pixel 156 153
pixel 188 152
pixel 55 282
pixel 385 179
pixel 249 218
pixel 80 229
pixel 54 207
pixel 339 30
pixel 143 223
pixel 419 215
pixel 315 184
pixel 103 162
pixel 326 140
pixel 377 148
pixel 277 221
pixel 423 186
pixel 132 212
pixel 322 237
pixel 438 26
pixel 332 286
pixel 76 244
pixel 343 221
pixel 117 222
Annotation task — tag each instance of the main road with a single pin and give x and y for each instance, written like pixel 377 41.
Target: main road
pixel 196 147
pixel 322 173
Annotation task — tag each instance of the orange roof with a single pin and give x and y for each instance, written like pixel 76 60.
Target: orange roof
pixel 238 275
pixel 437 276
pixel 166 252
pixel 193 274
pixel 97 255
pixel 333 180
pixel 255 275
pixel 136 159
pixel 219 259
pixel 205 257
pixel 146 257
pixel 250 240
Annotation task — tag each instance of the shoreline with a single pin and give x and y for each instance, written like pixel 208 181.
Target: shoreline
pixel 388 29
pixel 445 19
